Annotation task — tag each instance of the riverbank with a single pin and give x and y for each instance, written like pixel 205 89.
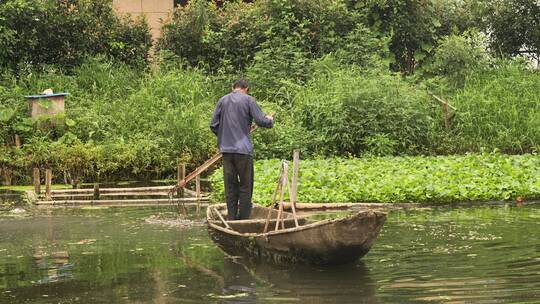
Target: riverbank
pixel 418 179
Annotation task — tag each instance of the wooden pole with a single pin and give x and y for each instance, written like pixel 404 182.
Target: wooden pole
pixel 17 141
pixel 96 191
pixel 198 186
pixel 293 192
pixel 198 190
pixel 284 178
pixel 221 217
pixel 296 165
pixel 444 102
pixel 48 182
pixel 278 189
pixel 181 176
pixel 292 206
pixel 181 184
pixel 445 108
pixel 37 182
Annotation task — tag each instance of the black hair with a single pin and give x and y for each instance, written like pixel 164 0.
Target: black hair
pixel 240 84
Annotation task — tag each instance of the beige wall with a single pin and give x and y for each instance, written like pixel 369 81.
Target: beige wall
pixel 154 10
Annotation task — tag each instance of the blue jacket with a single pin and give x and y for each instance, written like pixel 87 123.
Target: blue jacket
pixel 232 120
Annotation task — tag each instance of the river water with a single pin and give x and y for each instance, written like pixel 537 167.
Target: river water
pixel 126 255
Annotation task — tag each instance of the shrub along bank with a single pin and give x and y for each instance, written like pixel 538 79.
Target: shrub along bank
pixel 120 123
pixel 124 123
pixel 471 177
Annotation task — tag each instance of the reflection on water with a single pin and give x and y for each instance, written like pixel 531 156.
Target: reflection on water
pixel 8 199
pixel 57 266
pixel 112 255
pixel 295 283
pixel 239 284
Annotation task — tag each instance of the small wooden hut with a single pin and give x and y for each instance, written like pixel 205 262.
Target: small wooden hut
pixel 46 104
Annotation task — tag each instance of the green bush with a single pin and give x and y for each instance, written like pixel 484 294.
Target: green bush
pixel 148 120
pixel 286 135
pixel 190 34
pixel 456 57
pixel 64 33
pixel 277 69
pixel 364 48
pixel 12 165
pixel 498 109
pixel 228 38
pixel 345 109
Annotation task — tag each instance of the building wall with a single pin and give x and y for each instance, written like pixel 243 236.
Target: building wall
pixel 154 10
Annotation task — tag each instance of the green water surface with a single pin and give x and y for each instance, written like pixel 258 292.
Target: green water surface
pixel 113 255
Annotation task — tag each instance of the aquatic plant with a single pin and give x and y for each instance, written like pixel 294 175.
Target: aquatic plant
pixel 472 177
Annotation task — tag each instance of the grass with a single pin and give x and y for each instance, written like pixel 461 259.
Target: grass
pixel 499 109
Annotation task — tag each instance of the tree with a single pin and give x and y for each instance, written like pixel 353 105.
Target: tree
pixel 411 24
pixel 65 32
pixel 514 26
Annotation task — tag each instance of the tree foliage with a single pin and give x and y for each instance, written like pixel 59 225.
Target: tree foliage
pixel 514 26
pixel 63 33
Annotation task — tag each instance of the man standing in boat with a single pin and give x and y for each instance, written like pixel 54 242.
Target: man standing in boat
pixel 231 122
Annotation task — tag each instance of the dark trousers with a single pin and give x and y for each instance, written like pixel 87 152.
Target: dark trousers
pixel 238 179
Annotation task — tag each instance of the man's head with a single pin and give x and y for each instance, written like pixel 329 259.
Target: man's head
pixel 241 85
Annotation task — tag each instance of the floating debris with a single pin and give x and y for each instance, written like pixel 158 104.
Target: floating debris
pixel 17 211
pixel 84 242
pixel 233 296
pixel 94 207
pixel 172 222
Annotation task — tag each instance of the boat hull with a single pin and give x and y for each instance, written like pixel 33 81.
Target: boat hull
pixel 327 242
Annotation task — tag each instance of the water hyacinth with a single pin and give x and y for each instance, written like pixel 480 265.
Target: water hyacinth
pixel 472 177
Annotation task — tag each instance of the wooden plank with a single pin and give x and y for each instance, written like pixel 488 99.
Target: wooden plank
pixel 113 194
pixel 119 189
pixel 137 189
pixel 306 206
pixel 125 201
pixel 49 204
pixel 199 170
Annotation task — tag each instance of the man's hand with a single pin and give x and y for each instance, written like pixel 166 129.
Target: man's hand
pixel 271 116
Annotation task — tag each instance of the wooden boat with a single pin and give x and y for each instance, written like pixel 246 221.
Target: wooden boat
pixel 330 241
